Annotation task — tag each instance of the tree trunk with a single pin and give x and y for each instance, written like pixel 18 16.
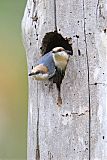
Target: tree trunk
pixel 78 129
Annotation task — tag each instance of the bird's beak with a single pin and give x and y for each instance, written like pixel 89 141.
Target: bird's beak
pixel 69 52
pixel 31 74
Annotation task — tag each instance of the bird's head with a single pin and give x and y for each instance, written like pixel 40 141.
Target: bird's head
pixel 61 57
pixel 39 72
pixel 61 50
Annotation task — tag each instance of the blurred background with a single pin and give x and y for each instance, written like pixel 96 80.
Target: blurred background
pixel 13 82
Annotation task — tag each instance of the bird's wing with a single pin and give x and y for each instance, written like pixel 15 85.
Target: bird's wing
pixel 47 60
pixel 45 57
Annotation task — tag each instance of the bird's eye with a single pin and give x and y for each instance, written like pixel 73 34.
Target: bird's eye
pixel 60 50
pixel 37 72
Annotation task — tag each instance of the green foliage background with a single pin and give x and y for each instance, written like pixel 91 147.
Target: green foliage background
pixel 13 82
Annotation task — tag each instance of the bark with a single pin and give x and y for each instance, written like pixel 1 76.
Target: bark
pixel 78 129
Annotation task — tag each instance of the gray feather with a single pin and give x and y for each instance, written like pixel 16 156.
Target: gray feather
pixel 47 60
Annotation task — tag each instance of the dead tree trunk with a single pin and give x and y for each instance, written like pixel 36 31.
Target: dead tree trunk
pixel 77 130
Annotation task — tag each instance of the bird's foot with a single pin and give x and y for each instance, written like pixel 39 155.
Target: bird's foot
pixel 59 101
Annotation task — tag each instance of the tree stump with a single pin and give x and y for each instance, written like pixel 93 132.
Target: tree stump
pixel 78 129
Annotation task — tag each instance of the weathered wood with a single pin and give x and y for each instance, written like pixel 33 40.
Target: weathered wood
pixel 33 33
pixel 96 39
pixel 77 130
pixel 70 23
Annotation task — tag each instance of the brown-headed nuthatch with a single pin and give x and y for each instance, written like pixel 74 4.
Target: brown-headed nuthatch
pixel 52 65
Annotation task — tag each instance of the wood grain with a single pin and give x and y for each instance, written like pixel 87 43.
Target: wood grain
pixel 77 130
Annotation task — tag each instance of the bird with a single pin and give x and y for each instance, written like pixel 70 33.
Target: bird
pixel 61 58
pixel 52 66
pixel 45 68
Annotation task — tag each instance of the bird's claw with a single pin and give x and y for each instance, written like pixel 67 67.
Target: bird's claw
pixel 59 101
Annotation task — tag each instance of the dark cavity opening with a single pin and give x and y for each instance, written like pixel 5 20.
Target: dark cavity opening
pixel 54 39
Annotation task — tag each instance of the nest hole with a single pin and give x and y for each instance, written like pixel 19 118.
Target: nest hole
pixel 54 39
